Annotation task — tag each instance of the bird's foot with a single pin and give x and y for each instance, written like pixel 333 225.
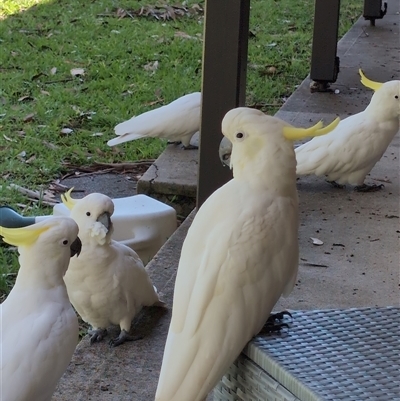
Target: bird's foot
pixel 97 335
pixel 188 147
pixel 368 188
pixel 275 323
pixel 123 337
pixel 336 185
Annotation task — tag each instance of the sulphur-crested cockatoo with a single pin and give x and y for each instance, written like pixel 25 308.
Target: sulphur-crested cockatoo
pixel 107 284
pixel 177 121
pixel 38 327
pixel 240 255
pixel 348 153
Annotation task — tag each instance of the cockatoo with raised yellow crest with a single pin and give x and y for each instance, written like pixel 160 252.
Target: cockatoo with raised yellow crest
pixel 348 153
pixel 107 284
pixel 38 327
pixel 240 255
pixel 177 121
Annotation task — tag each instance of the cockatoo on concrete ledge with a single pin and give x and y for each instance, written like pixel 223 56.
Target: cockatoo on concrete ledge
pixel 108 283
pixel 38 327
pixel 240 255
pixel 177 121
pixel 349 152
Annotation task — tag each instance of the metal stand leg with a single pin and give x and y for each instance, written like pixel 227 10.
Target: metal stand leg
pixel 324 61
pixel 224 84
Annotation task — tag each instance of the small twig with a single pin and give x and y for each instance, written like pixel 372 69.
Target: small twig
pixel 314 264
pixel 32 194
pixel 58 81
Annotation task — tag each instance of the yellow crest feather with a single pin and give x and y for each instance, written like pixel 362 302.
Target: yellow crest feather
pixel 23 235
pixel 328 128
pixel 368 83
pixel 295 134
pixel 67 200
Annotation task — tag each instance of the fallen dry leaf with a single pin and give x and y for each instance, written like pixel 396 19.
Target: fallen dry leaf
pixel 28 118
pixel 53 70
pixel 25 98
pixel 66 131
pixel 31 159
pixel 50 145
pixel 151 66
pixel 43 92
pixel 8 139
pixel 316 241
pixel 77 71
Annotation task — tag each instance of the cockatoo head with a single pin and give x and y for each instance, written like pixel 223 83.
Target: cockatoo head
pixel 386 100
pixel 93 216
pixel 54 239
pixel 257 138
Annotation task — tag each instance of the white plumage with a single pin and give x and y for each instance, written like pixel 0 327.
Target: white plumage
pixel 240 255
pixel 107 284
pixel 177 121
pixel 39 328
pixel 349 152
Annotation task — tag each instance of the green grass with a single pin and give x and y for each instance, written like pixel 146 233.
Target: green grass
pixel 38 36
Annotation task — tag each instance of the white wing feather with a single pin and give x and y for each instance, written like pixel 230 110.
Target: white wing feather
pixel 175 121
pixel 349 152
pixel 227 285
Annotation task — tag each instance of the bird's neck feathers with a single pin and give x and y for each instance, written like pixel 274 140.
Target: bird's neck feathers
pixel 273 170
pixel 383 107
pixel 40 271
pixel 96 234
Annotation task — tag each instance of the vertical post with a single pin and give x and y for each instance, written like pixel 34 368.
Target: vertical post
pixel 223 84
pixel 324 63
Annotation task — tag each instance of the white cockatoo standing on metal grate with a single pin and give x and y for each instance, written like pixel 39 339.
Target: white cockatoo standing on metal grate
pixel 348 153
pixel 38 327
pixel 177 121
pixel 107 284
pixel 240 255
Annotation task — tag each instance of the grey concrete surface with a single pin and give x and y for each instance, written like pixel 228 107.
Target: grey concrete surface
pixel 358 264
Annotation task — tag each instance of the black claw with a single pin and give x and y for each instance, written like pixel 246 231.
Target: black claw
pixel 275 325
pixel 336 185
pixel 278 317
pixel 368 188
pixel 97 335
pixel 123 337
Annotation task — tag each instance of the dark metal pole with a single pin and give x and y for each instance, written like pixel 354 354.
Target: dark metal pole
pixel 223 84
pixel 324 62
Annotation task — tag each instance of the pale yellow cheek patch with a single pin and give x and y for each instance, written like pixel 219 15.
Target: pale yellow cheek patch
pixel 248 152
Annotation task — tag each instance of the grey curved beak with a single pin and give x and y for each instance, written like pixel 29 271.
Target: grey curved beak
pixel 76 247
pixel 105 219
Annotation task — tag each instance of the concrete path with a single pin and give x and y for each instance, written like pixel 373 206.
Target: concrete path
pixel 358 264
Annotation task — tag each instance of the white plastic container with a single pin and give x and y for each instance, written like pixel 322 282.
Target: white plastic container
pixel 140 222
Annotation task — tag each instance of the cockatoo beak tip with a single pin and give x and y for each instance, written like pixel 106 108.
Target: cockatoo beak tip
pixel 76 247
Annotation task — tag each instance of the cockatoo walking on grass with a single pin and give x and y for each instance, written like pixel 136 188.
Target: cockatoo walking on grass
pixel 107 284
pixel 38 327
pixel 177 121
pixel 240 255
pixel 348 153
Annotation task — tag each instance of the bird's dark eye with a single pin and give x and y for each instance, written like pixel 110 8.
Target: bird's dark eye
pixel 239 135
pixel 87 213
pixel 65 242
pixel 396 97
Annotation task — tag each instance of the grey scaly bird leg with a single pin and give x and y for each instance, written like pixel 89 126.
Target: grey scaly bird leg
pixel 123 337
pixel 97 335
